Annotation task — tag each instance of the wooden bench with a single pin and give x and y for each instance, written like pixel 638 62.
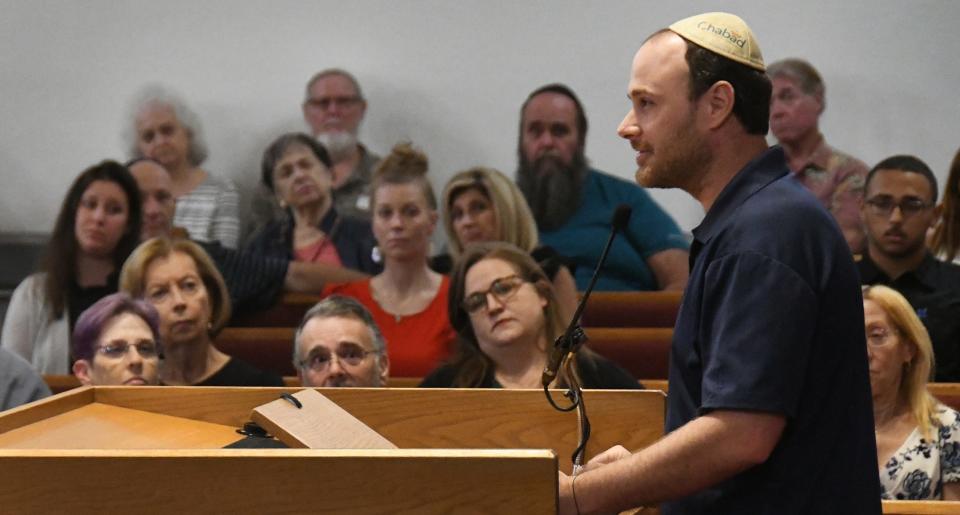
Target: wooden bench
pixel 62 383
pixel 644 352
pixel 605 309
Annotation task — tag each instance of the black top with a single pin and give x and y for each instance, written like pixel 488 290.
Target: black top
pixel 241 373
pixel 352 238
pixel 772 321
pixel 254 281
pixel 548 259
pixel 79 298
pixel 596 373
pixel 933 289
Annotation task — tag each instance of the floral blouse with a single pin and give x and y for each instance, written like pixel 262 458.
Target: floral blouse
pixel 919 468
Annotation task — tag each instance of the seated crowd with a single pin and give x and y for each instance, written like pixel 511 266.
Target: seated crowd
pixel 357 229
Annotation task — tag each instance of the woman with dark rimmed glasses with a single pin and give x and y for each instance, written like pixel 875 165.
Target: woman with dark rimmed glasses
pixel 506 315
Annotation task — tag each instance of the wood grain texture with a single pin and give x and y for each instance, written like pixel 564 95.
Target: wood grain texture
pixel 281 481
pixel 101 426
pixel 434 418
pixel 45 408
pixel 921 507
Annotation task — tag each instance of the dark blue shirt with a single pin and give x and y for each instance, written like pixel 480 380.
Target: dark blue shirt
pixel 772 321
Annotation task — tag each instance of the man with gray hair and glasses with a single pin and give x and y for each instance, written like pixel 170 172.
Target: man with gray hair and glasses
pixel 339 344
pixel 334 108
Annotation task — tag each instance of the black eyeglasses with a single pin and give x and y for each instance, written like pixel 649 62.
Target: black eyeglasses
pixel 324 103
pixel 347 353
pixel 502 289
pixel 117 350
pixel 882 205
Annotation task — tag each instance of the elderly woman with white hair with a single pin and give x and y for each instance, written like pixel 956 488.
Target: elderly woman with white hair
pixel 918 439
pixel 167 131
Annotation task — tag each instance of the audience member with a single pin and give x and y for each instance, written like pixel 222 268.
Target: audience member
pixel 97 228
pixel 573 203
pixel 407 300
pixel 945 241
pixel 105 335
pixel 917 437
pixel 297 170
pixel 339 344
pixel 167 131
pixel 19 382
pixel 899 209
pixel 834 177
pixel 253 280
pixel 507 317
pixel 482 204
pixel 178 278
pixel 769 408
pixel 334 108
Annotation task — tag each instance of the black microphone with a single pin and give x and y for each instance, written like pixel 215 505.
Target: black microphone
pixel 573 337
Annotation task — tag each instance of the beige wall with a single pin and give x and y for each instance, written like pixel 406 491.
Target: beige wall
pixel 446 74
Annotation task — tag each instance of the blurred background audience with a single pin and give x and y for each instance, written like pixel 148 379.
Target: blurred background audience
pixel 97 228
pixel 408 300
pixel 181 282
pixel 167 131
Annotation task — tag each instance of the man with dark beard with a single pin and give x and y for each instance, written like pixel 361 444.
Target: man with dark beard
pixel 900 207
pixel 573 203
pixel 334 108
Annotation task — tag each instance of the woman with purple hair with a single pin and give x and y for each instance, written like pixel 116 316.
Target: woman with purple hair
pixel 117 342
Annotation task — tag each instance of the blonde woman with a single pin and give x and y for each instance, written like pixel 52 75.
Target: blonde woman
pixel 482 204
pixel 918 439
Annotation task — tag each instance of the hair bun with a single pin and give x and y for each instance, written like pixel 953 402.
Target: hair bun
pixel 404 161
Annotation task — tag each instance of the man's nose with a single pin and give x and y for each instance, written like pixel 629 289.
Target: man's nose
pixel 628 126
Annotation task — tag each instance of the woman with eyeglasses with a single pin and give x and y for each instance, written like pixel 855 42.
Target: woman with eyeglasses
pixel 918 439
pixel 178 278
pixel 117 342
pixel 507 317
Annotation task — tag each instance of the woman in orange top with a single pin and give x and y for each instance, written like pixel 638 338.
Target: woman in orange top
pixel 408 300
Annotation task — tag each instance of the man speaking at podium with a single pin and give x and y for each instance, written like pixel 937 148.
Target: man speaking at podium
pixel 769 409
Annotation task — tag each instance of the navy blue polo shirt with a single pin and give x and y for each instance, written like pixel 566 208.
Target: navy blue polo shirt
pixel 772 321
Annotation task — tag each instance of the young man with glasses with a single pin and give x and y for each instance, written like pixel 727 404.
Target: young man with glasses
pixel 334 108
pixel 339 344
pixel 898 210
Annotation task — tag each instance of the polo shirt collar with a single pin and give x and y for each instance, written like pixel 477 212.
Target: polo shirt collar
pixel 819 158
pixel 925 274
pixel 767 167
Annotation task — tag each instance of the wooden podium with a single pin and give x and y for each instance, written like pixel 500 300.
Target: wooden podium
pixel 159 449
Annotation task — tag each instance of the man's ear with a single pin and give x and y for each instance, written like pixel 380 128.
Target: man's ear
pixel 384 369
pixel 81 369
pixel 718 101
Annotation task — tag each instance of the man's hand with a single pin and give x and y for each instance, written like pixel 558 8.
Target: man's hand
pixel 615 453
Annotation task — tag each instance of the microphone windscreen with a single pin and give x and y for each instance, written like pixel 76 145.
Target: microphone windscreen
pixel 621 216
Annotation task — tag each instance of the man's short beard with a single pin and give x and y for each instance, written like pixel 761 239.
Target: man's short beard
pixel 553 190
pixel 339 144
